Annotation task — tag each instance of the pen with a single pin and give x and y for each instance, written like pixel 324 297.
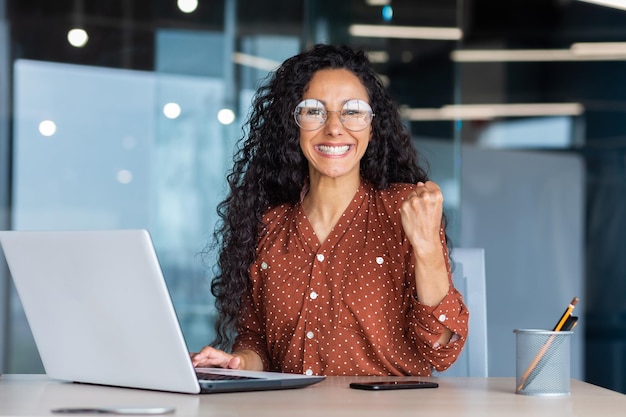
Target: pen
pixel 560 326
pixel 570 323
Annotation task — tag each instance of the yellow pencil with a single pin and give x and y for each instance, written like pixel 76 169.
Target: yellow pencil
pixel 568 312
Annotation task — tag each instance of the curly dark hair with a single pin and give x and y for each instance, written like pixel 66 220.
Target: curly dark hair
pixel 270 169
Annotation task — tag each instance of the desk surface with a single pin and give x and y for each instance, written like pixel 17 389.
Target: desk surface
pixel 36 395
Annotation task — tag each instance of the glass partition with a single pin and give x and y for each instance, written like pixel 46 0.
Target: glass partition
pixel 541 106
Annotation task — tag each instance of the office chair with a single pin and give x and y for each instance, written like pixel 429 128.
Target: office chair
pixel 468 273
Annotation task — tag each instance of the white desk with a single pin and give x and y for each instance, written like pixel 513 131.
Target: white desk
pixel 36 395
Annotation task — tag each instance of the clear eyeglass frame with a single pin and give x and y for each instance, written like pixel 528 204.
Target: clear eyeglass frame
pixel 355 115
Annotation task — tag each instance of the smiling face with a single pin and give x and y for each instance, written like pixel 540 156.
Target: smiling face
pixel 332 150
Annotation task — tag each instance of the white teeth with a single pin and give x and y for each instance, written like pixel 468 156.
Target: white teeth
pixel 333 150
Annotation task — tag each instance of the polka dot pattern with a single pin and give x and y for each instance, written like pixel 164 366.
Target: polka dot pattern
pixel 347 306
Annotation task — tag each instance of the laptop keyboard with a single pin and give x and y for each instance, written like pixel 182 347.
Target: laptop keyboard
pixel 207 376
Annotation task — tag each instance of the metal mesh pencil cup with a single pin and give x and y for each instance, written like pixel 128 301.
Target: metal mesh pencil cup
pixel 542 362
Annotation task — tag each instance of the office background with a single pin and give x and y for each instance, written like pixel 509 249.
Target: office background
pixel 518 106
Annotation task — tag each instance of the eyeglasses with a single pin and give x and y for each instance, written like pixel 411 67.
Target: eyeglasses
pixel 311 114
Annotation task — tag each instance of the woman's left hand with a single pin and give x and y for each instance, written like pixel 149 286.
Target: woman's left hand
pixel 421 214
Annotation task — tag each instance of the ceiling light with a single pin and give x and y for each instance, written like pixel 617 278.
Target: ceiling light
pixel 507 55
pixel 405 32
pixel 599 48
pixel 583 51
pixel 47 128
pixel 378 57
pixel 77 37
pixel 226 116
pixel 492 111
pixel 187 6
pixel 255 61
pixel 616 4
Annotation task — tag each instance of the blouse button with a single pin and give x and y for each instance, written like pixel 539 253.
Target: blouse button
pixel 320 257
pixel 263 265
pixel 442 318
pixel 310 335
pixel 313 295
pixel 379 260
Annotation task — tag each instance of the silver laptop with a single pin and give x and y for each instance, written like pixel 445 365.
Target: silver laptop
pixel 100 312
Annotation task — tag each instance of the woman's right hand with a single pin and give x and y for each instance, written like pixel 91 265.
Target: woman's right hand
pixel 210 357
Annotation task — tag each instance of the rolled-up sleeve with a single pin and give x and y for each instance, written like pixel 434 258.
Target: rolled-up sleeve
pixel 429 323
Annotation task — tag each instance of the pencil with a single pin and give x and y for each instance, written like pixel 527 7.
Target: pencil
pixel 568 312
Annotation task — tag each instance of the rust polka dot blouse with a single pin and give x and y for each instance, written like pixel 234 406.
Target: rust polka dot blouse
pixel 346 306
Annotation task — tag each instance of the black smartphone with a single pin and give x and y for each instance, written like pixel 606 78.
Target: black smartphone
pixel 389 385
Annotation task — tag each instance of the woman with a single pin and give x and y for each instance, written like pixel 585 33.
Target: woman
pixel 333 256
